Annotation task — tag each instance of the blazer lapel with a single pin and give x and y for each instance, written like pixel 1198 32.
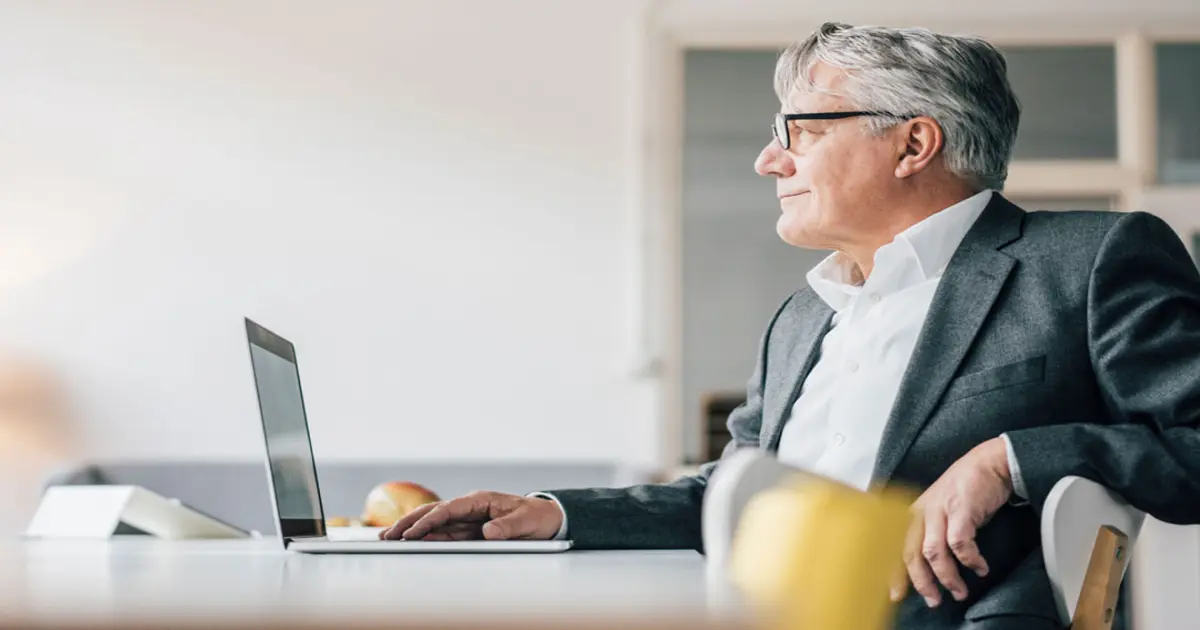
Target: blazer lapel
pixel 808 325
pixel 964 297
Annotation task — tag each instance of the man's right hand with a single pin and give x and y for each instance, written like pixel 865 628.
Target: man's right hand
pixel 487 515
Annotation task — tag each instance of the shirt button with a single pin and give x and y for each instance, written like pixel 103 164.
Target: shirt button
pixel 852 366
pixel 875 298
pixel 838 439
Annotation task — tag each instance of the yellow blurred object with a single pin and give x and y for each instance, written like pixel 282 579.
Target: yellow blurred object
pixel 816 555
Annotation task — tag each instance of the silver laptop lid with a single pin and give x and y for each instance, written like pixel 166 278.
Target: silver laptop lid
pixel 291 468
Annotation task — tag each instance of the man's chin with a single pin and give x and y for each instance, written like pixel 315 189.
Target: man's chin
pixel 795 238
pixel 792 231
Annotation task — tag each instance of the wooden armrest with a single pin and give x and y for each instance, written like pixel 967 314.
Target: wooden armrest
pixel 1102 582
pixel 1080 519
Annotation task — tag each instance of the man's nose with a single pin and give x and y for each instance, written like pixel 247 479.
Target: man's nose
pixel 774 161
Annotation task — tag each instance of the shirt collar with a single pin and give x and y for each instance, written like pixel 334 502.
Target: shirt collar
pixel 930 243
pixel 935 239
pixel 836 281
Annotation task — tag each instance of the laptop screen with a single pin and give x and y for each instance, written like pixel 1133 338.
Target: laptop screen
pixel 285 429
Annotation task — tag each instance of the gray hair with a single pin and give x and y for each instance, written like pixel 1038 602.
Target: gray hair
pixel 961 82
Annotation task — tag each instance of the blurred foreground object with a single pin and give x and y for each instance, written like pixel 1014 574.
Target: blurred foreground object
pixel 805 552
pixel 816 554
pixel 739 478
pixel 387 502
pixel 32 404
pixel 785 537
pixel 35 435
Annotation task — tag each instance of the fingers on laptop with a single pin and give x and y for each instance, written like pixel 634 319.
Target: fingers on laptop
pixel 397 529
pixel 475 508
pixel 454 532
pixel 517 524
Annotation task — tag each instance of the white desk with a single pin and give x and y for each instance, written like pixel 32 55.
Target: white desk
pixel 136 579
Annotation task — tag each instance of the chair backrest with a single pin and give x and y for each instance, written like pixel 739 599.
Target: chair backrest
pixel 740 476
pixel 1074 513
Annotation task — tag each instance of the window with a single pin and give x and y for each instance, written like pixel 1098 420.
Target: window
pixel 1178 113
pixel 1068 97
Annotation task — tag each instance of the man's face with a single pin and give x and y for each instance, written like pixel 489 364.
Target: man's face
pixel 833 180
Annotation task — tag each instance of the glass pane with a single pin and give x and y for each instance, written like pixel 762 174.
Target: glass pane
pixel 1068 99
pixel 1178 106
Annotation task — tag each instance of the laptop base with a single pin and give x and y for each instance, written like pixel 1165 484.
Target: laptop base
pixel 325 546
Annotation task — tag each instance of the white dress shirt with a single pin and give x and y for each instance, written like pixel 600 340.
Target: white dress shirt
pixel 836 424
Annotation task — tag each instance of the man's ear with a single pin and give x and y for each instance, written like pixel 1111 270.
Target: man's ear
pixel 920 141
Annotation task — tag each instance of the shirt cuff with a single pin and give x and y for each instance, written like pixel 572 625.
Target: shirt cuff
pixel 1014 471
pixel 562 529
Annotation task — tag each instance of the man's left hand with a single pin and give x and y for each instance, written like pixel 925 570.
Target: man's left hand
pixel 946 518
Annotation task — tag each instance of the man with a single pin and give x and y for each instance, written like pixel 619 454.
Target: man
pixel 953 342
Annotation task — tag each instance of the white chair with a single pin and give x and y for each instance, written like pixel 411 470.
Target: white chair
pixel 740 476
pixel 1088 533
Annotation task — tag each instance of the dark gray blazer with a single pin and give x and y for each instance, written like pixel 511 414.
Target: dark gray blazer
pixel 1077 333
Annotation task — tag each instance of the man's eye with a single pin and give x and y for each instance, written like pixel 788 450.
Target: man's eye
pixel 804 134
pixel 800 130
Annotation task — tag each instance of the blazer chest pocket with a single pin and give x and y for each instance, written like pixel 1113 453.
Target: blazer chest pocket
pixel 975 383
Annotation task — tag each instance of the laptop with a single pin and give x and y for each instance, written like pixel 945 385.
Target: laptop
pixel 292 471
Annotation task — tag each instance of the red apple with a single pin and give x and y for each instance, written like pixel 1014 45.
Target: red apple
pixel 389 501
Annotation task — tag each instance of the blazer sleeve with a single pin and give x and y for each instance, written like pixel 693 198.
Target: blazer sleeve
pixel 1144 341
pixel 663 516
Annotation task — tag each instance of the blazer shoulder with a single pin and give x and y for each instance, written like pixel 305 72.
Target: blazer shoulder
pixel 1065 234
pixel 1075 222
pixel 800 308
pixel 1081 230
pixel 803 302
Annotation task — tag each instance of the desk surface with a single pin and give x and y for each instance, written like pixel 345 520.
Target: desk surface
pixel 133 579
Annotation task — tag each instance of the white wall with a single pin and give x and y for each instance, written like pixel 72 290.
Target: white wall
pixel 432 199
pixel 1061 16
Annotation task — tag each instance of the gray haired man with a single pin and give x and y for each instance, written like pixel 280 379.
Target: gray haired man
pixel 953 341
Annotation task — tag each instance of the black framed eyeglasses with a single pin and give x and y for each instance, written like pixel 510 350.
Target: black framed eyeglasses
pixel 780 128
